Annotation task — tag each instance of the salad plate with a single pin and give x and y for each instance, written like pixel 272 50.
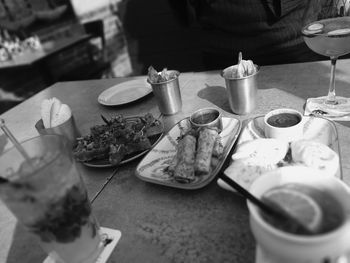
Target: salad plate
pixel 315 129
pixel 118 141
pixel 124 92
pixel 153 167
pixel 104 163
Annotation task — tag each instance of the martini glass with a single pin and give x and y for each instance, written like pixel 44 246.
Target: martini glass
pixel 330 36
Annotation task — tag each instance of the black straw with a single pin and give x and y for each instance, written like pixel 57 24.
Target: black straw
pixel 270 210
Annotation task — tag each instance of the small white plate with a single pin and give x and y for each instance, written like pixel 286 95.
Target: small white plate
pixel 125 92
pixel 151 168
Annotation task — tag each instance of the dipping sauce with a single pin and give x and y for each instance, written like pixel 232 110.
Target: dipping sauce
pixel 206 118
pixel 284 120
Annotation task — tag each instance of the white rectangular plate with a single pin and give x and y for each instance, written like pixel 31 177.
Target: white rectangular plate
pixel 152 167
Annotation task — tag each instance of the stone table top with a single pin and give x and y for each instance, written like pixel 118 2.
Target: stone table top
pixel 158 223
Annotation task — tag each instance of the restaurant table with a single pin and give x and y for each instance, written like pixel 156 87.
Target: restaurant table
pixel 159 223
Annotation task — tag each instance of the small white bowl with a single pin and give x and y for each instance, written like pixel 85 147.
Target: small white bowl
pixel 284 124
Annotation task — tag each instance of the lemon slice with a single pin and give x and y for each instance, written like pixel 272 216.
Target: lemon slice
pixel 299 205
pixel 313 29
pixel 339 32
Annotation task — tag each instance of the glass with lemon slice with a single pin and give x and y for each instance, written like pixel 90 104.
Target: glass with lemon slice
pixel 329 36
pixel 317 200
pixel 318 211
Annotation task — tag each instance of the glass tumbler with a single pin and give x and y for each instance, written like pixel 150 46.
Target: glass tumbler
pixel 47 195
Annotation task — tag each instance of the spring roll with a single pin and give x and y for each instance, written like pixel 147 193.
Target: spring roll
pixel 179 150
pixel 218 148
pixel 184 170
pixel 184 127
pixel 217 153
pixel 173 162
pixel 206 140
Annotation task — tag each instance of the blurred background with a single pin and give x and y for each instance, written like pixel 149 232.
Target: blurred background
pixel 46 41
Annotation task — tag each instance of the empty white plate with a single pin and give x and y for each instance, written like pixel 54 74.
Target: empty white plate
pixel 125 92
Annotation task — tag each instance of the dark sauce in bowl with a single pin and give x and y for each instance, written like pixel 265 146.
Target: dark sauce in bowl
pixel 284 120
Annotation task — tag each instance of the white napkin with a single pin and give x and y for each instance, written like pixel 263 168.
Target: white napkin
pixel 54 113
pixel 339 112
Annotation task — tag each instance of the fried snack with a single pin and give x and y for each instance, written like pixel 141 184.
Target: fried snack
pixel 171 168
pixel 197 152
pixel 152 75
pixel 243 69
pixel 218 148
pixel 185 130
pixel 186 150
pixel 157 77
pixel 138 143
pixel 149 125
pixel 218 151
pixel 116 153
pixel 86 151
pixel 206 141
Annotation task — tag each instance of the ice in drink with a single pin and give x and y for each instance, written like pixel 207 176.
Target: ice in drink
pixel 49 198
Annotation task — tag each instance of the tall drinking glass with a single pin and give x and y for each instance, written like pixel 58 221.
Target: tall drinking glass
pixel 329 36
pixel 48 196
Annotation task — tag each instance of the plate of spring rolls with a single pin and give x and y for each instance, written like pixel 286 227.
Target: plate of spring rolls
pixel 188 157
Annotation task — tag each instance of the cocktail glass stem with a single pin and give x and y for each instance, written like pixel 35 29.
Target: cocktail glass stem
pixel 331 100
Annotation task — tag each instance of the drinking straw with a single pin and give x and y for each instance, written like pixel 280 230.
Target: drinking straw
pixel 14 141
pixel 272 210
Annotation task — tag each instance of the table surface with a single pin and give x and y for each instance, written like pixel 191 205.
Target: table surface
pixel 159 223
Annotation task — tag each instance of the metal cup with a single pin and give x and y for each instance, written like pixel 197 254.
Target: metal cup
pixel 168 95
pixel 242 92
pixel 67 129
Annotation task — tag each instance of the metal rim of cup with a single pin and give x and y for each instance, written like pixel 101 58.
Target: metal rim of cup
pixel 279 111
pixel 40 124
pixel 164 82
pixel 246 77
pixel 289 236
